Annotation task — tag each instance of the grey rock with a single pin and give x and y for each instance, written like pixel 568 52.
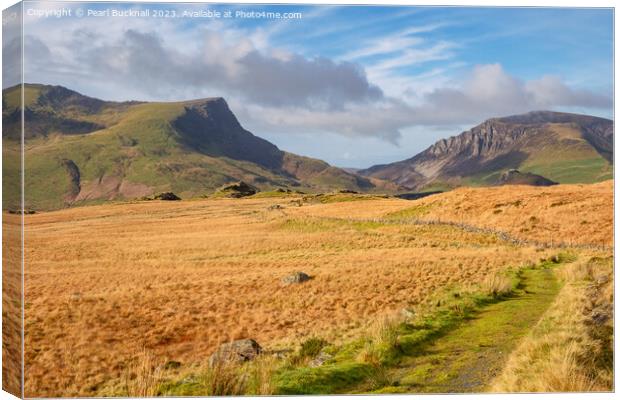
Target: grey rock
pixel 296 277
pixel 238 190
pixel 237 351
pixel 168 196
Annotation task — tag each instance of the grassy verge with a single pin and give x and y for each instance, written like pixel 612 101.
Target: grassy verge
pixel 426 349
pixel 571 348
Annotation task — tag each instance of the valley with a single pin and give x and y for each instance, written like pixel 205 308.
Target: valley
pixel 108 285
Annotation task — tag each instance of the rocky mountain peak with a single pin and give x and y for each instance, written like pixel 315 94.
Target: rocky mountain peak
pixel 542 138
pixel 213 111
pixel 489 137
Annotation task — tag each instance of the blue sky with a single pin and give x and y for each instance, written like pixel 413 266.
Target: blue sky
pixel 353 85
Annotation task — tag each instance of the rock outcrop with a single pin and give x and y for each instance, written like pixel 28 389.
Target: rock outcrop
pixel 237 190
pixel 237 351
pixel 515 177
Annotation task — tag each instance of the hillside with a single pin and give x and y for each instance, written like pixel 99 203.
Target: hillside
pixel 561 147
pixel 82 150
pixel 576 214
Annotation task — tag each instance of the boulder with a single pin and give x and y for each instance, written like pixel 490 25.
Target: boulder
pixel 168 196
pixel 238 190
pixel 295 277
pixel 237 352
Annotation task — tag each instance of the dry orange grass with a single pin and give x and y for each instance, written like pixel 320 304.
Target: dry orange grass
pixel 11 304
pixel 570 213
pixel 178 278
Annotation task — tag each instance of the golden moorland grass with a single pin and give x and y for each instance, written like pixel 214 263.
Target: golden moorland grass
pixel 104 283
pixel 575 214
pixel 11 304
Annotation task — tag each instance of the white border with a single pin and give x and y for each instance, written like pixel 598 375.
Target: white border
pixel 475 3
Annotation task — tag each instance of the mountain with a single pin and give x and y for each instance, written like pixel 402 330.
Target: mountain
pixel 80 150
pixel 561 147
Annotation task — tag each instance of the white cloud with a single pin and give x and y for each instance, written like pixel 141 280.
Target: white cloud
pixel 489 91
pixel 383 119
pixel 392 43
pixel 274 90
pixel 226 63
pixel 550 91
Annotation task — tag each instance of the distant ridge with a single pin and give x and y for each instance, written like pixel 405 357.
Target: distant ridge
pixel 562 147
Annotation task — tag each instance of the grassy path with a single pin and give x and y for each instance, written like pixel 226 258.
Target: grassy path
pixel 468 357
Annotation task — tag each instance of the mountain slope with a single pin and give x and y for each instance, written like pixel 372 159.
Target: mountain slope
pixel 562 147
pixel 79 150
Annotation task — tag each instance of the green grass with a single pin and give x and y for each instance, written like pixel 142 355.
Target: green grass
pixel 570 165
pixel 465 359
pixel 312 347
pixel 590 170
pixel 329 379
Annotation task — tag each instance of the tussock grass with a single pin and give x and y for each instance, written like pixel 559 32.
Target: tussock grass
pixel 384 330
pixel 143 376
pixel 261 376
pixel 381 341
pixel 497 285
pixel 224 378
pixel 570 349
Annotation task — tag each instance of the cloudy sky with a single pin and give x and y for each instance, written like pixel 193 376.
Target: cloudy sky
pixel 355 86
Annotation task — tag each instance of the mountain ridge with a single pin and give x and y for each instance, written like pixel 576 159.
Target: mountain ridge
pixel 498 144
pixel 81 150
